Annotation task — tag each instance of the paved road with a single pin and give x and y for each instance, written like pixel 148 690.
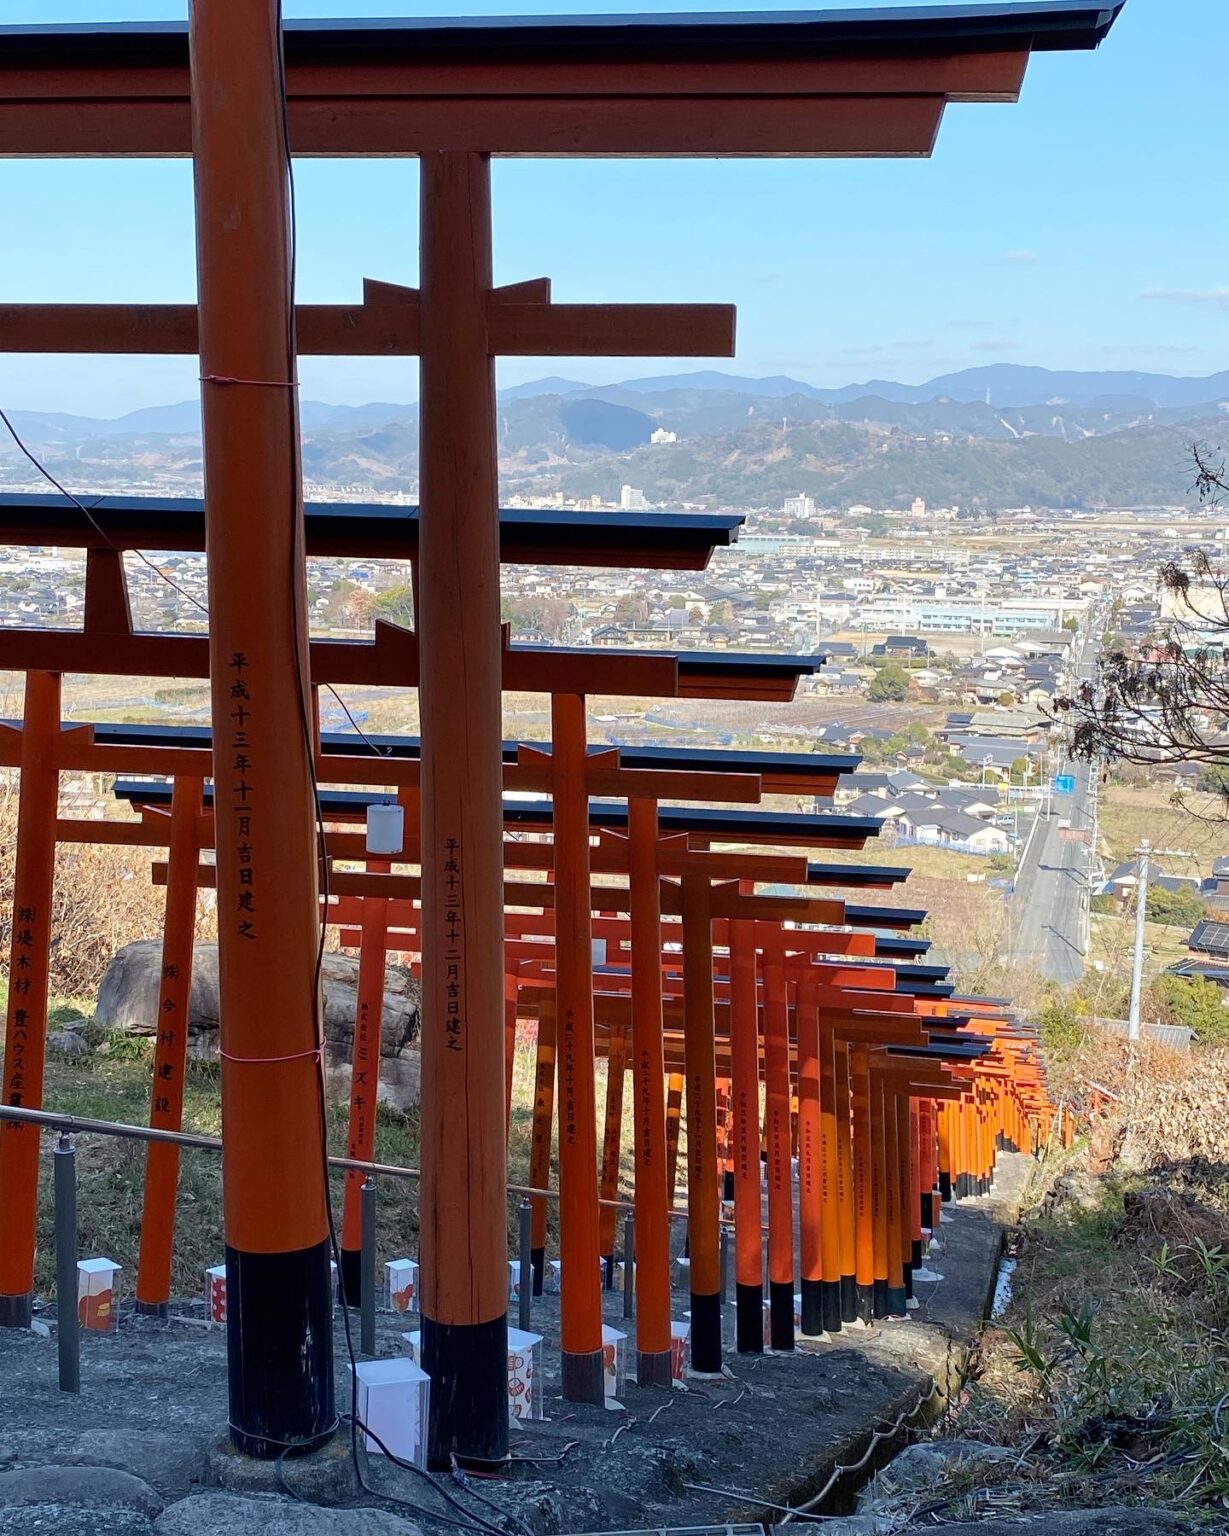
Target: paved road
pixel 1047 906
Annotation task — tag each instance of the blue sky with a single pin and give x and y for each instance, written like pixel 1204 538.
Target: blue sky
pixel 1084 227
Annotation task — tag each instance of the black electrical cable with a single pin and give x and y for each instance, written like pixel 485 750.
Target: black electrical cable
pixel 92 520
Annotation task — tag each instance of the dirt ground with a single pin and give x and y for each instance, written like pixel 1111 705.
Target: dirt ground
pixel 153 1405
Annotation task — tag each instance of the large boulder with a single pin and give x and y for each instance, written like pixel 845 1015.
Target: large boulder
pixel 128 1004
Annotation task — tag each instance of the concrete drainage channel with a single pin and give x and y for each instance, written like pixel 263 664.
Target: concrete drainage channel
pixel 833 1492
pixel 876 1450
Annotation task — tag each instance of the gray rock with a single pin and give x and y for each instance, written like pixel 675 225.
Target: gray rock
pixel 72 1520
pixel 1079 1522
pixel 325 1477
pixel 925 1465
pixel 171 1462
pixel 64 1042
pixel 94 1487
pixel 229 1514
pixel 128 1004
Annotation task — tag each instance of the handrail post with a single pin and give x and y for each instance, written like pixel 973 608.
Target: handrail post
pixel 67 1336
pixel 367 1266
pixel 629 1263
pixel 525 1283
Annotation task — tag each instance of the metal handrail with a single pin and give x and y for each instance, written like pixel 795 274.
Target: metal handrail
pixel 66 1223
pixel 87 1125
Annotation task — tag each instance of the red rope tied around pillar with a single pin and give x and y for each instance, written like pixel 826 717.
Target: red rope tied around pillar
pixel 264 1061
pixel 226 378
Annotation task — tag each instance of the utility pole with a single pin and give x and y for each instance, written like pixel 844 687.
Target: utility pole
pixel 1137 964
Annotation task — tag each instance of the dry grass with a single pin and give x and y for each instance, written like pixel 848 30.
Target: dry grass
pixel 1167 1107
pixel 104 897
pixel 1128 814
pixel 1107 1375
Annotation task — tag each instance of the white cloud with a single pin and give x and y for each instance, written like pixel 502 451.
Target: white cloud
pixel 1019 258
pixel 1216 296
pixel 996 344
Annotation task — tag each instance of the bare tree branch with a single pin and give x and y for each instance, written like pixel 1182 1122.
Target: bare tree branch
pixel 1166 699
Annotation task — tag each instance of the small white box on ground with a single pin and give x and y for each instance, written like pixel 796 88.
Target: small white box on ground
pixel 614 1360
pixel 402 1285
pixel 682 1272
pixel 393 1398
pixel 215 1295
pixel 524 1374
pixel 680 1349
pixel 98 1294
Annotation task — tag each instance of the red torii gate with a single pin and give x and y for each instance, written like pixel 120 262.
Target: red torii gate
pixel 860 85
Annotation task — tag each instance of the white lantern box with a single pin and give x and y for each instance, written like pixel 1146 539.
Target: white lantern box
pixel 215 1295
pixel 524 1374
pixel 98 1294
pixel 614 1361
pixel 393 1402
pixel 552 1281
pixel 215 1290
pixel 680 1349
pixel 402 1285
pixel 525 1399
pixel 514 1280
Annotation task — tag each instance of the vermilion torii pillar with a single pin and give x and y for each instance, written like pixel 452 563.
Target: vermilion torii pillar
pixel 464 1230
pixel 26 1022
pixel 279 1305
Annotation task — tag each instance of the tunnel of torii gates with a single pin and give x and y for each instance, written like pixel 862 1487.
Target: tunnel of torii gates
pixel 704 981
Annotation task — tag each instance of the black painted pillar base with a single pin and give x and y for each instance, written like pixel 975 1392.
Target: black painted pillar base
pixel 279 1351
pixel 583 1379
pixel 928 1210
pixel 749 1319
pixel 831 1305
pixel 537 1259
pixel 879 1299
pixel 468 1367
pixel 907 1272
pixel 896 1302
pixel 866 1303
pixel 160 1309
pixel 727 1185
pixel 608 1271
pixel 812 1308
pixel 17 1311
pixel 706 1333
pixel 919 1251
pixel 654 1370
pixel 849 1299
pixel 945 1187
pixel 780 1315
pixel 350 1277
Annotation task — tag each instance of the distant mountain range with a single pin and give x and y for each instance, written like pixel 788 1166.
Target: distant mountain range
pixel 1001 435
pixel 999 384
